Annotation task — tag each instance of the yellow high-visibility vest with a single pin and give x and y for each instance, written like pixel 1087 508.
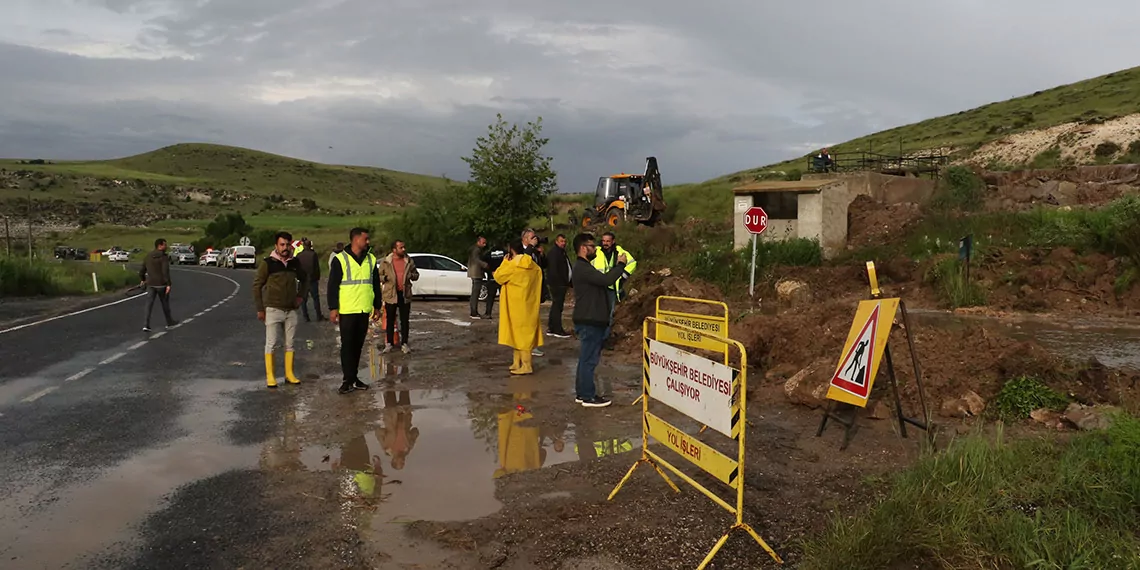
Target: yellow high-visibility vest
pixel 356 293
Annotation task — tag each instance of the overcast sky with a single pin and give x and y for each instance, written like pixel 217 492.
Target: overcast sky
pixel 409 84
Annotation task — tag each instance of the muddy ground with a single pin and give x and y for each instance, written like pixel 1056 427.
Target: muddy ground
pixel 450 462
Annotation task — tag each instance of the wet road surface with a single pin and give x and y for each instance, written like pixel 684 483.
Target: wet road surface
pixel 99 419
pixel 126 449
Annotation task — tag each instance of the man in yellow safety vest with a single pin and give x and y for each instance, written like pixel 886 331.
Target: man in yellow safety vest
pixel 606 260
pixel 354 295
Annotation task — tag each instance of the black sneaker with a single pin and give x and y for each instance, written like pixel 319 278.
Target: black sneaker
pixel 597 402
pixel 475 317
pixel 359 385
pixel 345 388
pixel 146 329
pixel 171 325
pixel 577 400
pixel 557 334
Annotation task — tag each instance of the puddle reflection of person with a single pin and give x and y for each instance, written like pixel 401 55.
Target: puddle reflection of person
pixel 520 446
pixel 368 472
pixel 398 436
pixel 283 452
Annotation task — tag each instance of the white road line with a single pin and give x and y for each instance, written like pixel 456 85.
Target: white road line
pixel 79 375
pixel 72 314
pixel 40 394
pixel 199 313
pixel 113 358
pixel 156 335
pixel 137 345
pixel 185 322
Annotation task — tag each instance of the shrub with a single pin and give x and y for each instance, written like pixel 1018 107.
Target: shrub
pixel 960 189
pixel 1106 149
pixel 948 276
pixel 1021 395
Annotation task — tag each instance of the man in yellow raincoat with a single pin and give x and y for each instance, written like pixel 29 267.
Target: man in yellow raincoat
pixel 521 281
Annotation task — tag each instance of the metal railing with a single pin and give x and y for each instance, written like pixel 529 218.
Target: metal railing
pixel 918 164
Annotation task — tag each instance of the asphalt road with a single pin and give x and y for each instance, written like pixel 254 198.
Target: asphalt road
pixel 100 420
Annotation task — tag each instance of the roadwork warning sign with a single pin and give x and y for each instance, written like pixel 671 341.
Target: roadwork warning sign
pixel 695 386
pixel 859 363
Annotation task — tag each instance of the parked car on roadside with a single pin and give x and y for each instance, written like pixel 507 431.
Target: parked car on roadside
pixel 81 254
pixel 441 276
pixel 209 258
pixel 182 255
pixel 118 256
pixel 243 256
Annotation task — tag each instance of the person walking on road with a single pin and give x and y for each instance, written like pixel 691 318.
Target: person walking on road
pixel 558 273
pixel 604 262
pixel 397 272
pixel 279 288
pixel 311 267
pixel 155 277
pixel 591 315
pixel 353 295
pixel 477 272
pixel 519 329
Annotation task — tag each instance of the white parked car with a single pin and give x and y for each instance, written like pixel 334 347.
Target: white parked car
pixel 242 256
pixel 441 276
pixel 209 258
pixel 119 256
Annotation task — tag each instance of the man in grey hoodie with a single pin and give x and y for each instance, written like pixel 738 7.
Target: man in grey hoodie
pixel 155 277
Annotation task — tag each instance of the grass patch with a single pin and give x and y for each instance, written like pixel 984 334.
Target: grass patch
pixel 24 278
pixel 948 276
pixel 960 189
pixel 1032 503
pixel 1021 395
pixel 730 270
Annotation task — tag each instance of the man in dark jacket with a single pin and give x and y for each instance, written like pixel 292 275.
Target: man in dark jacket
pixel 351 300
pixel 477 272
pixel 558 277
pixel 493 258
pixel 311 267
pixel 155 277
pixel 591 315
pixel 278 289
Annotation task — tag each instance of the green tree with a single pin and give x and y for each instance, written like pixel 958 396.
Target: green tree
pixel 510 180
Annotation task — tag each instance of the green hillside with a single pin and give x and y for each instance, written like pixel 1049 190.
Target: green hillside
pixel 1091 101
pixel 179 178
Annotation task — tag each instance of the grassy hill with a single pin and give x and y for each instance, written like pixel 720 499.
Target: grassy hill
pixel 192 180
pixel 1092 102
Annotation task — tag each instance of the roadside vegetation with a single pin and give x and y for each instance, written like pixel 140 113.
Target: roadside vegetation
pixel 1027 503
pixel 29 278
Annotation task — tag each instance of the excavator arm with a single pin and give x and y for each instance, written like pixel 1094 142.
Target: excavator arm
pixel 652 180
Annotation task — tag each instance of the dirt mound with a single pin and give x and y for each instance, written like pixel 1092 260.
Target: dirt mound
pixel 870 222
pixel 1076 141
pixel 643 303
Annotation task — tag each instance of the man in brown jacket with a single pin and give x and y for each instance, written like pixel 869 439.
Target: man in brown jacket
pixel 397 272
pixel 155 277
pixel 278 289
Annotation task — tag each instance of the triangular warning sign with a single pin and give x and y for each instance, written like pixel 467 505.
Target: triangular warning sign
pixel 854 372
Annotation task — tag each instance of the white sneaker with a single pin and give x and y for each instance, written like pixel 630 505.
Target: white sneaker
pixel 537 352
pixel 405 349
pixel 387 349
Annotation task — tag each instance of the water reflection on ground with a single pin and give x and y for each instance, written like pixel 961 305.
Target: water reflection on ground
pixel 435 455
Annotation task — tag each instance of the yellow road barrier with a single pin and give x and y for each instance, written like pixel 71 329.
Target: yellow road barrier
pixel 709 392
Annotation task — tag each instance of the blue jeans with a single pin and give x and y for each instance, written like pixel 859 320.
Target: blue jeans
pixel 611 296
pixel 591 338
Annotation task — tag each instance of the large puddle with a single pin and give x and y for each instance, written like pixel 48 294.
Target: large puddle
pixel 435 455
pixel 1114 343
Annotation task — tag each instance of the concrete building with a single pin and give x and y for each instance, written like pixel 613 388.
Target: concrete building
pixel 816 207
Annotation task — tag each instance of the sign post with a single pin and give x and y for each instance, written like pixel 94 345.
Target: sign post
pixel 755 221
pixel 244 240
pixel 709 392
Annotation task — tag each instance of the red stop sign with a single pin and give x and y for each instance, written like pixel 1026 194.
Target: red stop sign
pixel 756 220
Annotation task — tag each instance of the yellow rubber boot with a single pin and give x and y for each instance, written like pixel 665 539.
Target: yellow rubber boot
pixel 289 376
pixel 517 361
pixel 269 379
pixel 524 363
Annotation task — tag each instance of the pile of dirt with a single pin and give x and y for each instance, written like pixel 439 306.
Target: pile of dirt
pixel 1045 280
pixel 874 223
pixel 642 303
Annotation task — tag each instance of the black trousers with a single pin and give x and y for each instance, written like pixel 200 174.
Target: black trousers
pixel 160 294
pixel 557 302
pixel 405 309
pixel 353 334
pixel 476 286
pixel 315 293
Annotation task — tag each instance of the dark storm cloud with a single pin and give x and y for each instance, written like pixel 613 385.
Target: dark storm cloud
pixel 409 84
